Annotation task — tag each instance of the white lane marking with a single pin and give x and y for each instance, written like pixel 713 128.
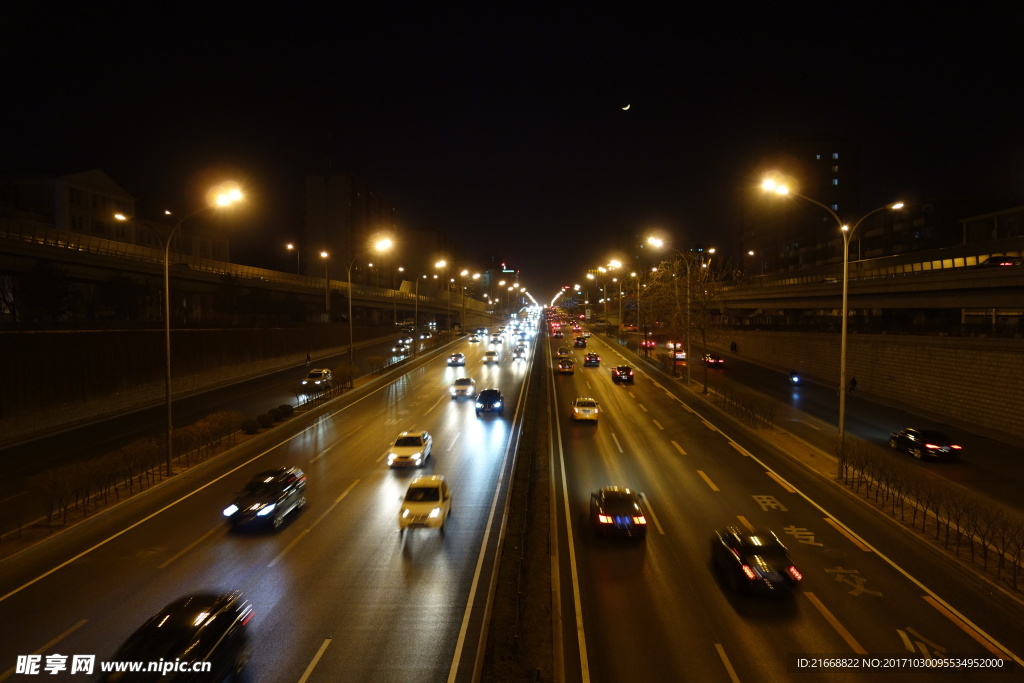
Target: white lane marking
pixel 743 451
pixel 642 407
pixel 433 406
pixel 654 517
pixel 191 545
pixel 728 665
pixel 781 482
pixel 617 444
pixel 678 447
pixel 745 522
pixel 708 425
pixel 16 495
pixel 319 519
pixel 850 536
pixel 452 445
pixel 48 646
pixel 707 480
pixel 840 629
pixel 658 425
pixel 316 659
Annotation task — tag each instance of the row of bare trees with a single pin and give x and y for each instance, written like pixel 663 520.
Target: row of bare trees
pixel 964 523
pixel 135 466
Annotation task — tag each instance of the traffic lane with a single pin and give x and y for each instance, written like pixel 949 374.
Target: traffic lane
pixel 218 504
pixel 727 453
pixel 639 597
pixel 725 458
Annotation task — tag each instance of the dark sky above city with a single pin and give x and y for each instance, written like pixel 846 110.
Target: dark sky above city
pixel 506 128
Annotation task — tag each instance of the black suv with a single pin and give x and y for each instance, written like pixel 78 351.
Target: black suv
pixel 922 443
pixel 207 627
pixel 268 498
pixel 580 342
pixel 490 401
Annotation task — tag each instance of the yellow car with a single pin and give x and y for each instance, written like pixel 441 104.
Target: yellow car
pixel 565 365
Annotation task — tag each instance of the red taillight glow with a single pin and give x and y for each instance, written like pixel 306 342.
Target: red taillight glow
pixel 639 519
pixel 604 519
pixel 932 446
pixel 955 447
pixel 749 572
pixel 795 573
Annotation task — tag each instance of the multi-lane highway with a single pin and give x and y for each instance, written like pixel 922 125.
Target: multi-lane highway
pixel 655 609
pixel 338 593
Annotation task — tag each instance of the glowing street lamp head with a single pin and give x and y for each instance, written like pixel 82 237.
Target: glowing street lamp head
pixel 441 264
pixel 656 242
pixel 324 254
pixel 225 194
pixel 772 185
pixel 897 206
pixel 614 264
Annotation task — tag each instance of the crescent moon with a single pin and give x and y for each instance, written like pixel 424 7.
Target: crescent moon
pixel 626 107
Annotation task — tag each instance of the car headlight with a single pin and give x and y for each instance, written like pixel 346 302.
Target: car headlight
pixel 497 404
pixel 391 457
pixel 436 512
pixel 405 512
pixel 266 510
pixel 305 382
pixel 479 404
pixel 230 510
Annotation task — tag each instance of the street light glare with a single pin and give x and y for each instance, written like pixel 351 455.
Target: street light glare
pixel 897 206
pixel 324 254
pixel 383 245
pixel 656 242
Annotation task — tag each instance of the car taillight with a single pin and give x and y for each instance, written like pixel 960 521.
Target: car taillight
pixel 955 447
pixel 639 519
pixel 749 572
pixel 932 446
pixel 604 519
pixel 795 573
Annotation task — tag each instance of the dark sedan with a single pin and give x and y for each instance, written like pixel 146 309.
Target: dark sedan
pixel 268 498
pixel 591 360
pixel 922 443
pixel 489 401
pixel 753 562
pixel 622 373
pixel 616 511
pixel 208 629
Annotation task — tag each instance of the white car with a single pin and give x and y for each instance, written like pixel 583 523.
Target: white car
pixel 411 449
pixel 491 357
pixel 585 408
pixel 427 503
pixel 463 386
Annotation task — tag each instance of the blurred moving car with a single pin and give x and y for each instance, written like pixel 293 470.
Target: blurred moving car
pixel 562 352
pixel 489 401
pixel 474 338
pixel 206 627
pixel 491 357
pixel 591 360
pixel 519 353
pixel 463 386
pixel 580 342
pixel 622 373
pixel 616 511
pixel 268 498
pixel 585 408
pixel 317 380
pixel 496 339
pixel 401 349
pixel 753 561
pixel 411 449
pixel 713 360
pixel 456 359
pixel 925 442
pixel 648 343
pixel 427 503
pixel 565 366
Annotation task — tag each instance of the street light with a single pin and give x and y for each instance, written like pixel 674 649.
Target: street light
pixel 292 247
pixel 380 246
pixel 220 196
pixel 327 285
pixel 771 185
pixel 416 305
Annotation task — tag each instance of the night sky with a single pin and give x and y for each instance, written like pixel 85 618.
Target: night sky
pixel 505 128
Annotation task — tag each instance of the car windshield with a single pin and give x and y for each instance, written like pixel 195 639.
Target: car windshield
pixel 423 494
pixel 762 547
pixel 262 488
pixel 585 404
pixel 408 442
pixel 463 382
pixel 488 395
pixel 315 375
pixel 619 503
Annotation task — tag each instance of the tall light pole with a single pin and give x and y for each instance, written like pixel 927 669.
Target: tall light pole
pixel 380 246
pixel 327 284
pixel 222 196
pixel 298 261
pixel 416 305
pixel 771 185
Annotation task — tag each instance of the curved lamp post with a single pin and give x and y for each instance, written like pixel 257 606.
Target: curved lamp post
pixel 770 185
pixel 380 246
pixel 222 196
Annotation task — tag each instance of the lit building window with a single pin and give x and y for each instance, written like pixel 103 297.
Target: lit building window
pixel 835 181
pixel 835 155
